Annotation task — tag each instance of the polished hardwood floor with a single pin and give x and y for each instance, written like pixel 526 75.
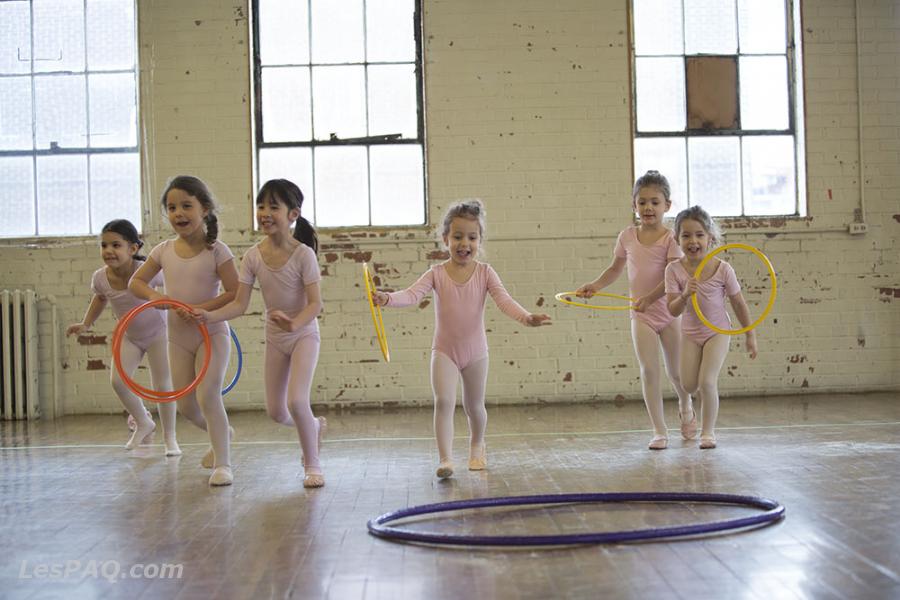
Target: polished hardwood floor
pixel 116 524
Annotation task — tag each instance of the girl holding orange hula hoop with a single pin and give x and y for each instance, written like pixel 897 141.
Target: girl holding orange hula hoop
pixel 119 246
pixel 703 350
pixel 194 264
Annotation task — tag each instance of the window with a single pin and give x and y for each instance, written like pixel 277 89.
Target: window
pixel 338 89
pixel 718 103
pixel 69 157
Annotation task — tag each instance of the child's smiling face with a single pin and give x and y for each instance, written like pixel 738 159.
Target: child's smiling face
pixel 650 204
pixel 462 240
pixel 693 239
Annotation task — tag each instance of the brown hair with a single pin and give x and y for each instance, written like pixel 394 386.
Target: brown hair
pixel 194 186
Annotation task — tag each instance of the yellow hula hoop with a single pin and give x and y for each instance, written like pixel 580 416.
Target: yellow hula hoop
pixel 564 298
pixel 376 314
pixel 765 313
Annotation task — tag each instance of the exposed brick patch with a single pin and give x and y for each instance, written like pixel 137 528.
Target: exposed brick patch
pixel 96 365
pixel 424 303
pixel 438 255
pixel 324 271
pixel 358 256
pixel 890 292
pixel 331 257
pixel 540 301
pixel 751 223
pixel 92 340
pixel 805 384
pixel 897 218
pixel 568 376
pixel 797 358
pixel 810 300
pixel 619 400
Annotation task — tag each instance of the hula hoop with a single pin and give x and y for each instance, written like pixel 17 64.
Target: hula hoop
pixel 240 359
pixel 376 314
pixel 148 393
pixel 773 512
pixel 563 297
pixel 765 260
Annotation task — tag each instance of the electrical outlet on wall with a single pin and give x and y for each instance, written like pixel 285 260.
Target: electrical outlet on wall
pixel 857 228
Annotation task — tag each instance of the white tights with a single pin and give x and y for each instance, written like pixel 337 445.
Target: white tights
pixel 646 347
pixel 444 378
pixel 700 366
pixel 204 407
pixel 160 379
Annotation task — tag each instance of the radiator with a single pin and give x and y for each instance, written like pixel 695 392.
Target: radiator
pixel 19 355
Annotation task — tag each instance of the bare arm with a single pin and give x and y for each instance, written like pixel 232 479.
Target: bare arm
pixel 233 309
pixel 139 285
pixel 678 301
pixel 94 310
pixel 228 274
pixel 742 312
pixel 608 276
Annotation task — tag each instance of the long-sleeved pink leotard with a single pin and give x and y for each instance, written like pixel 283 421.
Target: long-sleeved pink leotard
pixel 459 310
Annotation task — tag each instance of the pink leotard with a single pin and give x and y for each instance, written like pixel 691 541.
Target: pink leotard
pixel 711 296
pixel 646 269
pixel 192 280
pixel 459 310
pixel 147 325
pixel 283 289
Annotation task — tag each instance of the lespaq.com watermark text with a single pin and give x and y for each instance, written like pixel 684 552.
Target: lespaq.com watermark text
pixel 111 570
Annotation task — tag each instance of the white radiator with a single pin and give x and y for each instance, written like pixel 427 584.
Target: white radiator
pixel 19 355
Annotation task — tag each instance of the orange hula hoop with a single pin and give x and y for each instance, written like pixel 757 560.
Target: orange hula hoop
pixel 148 393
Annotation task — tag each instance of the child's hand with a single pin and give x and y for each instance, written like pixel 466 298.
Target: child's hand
pixel 586 291
pixel 641 304
pixel 154 295
pixel 380 298
pixel 536 320
pixel 200 316
pixel 751 344
pixel 282 320
pixel 187 316
pixel 691 288
pixel 76 329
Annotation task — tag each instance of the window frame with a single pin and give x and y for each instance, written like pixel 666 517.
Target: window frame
pixel 796 99
pixel 87 151
pixel 367 141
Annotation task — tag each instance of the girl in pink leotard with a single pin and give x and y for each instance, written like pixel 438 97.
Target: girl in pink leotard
pixel 703 351
pixel 194 265
pixel 645 250
pixel 119 245
pixel 288 275
pixel 460 287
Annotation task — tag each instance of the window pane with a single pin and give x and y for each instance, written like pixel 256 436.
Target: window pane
pixel 342 196
pixel 762 26
pixel 764 92
pixel 389 30
pixel 392 100
pixel 290 163
pixel 398 188
pixel 58 35
pixel 62 195
pixel 115 189
pixel 337 31
pixel 15 113
pixel 709 27
pixel 60 111
pixel 339 102
pixel 113 110
pixel 659 93
pixel 657 27
pixel 15 38
pixel 666 155
pixel 769 183
pixel 284 32
pixel 285 105
pixel 16 196
pixel 110 34
pixel 715 174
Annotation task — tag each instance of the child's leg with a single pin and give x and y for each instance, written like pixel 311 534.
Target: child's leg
pixel 278 367
pixel 474 378
pixel 444 378
pixel 691 354
pixel 646 347
pixel 670 338
pixel 181 366
pixel 303 368
pixel 131 355
pixel 714 352
pixel 158 358
pixel 209 396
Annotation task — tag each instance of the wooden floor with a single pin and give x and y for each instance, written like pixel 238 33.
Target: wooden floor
pixel 72 497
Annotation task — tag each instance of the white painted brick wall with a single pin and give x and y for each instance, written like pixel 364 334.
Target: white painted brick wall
pixel 527 108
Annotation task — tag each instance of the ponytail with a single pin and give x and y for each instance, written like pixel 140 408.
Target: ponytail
pixel 212 228
pixel 306 233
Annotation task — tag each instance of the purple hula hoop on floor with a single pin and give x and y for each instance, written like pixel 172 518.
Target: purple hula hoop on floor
pixel 773 512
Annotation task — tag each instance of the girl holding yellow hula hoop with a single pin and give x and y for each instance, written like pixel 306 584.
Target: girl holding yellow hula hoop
pixel 703 349
pixel 645 250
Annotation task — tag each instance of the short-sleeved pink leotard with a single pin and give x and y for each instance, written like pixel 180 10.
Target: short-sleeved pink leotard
pixel 192 280
pixel 147 325
pixel 711 295
pixel 283 289
pixel 459 310
pixel 646 267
